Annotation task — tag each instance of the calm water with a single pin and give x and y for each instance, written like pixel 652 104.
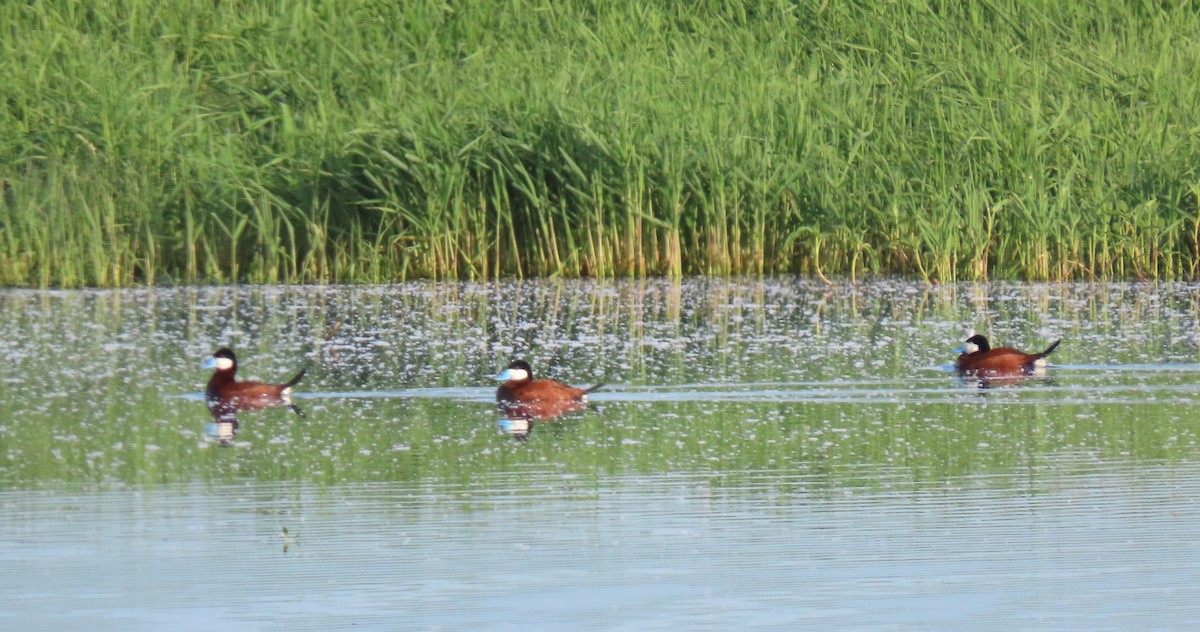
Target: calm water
pixel 770 455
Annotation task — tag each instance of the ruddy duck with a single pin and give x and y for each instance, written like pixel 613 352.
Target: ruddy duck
pixel 522 397
pixel 226 396
pixel 979 359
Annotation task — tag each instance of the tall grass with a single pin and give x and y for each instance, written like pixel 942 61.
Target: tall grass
pixel 359 140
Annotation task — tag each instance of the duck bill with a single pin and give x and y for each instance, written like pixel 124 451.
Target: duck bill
pixel 510 374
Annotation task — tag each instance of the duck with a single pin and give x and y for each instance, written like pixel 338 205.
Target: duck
pixel 979 359
pixel 522 397
pixel 226 396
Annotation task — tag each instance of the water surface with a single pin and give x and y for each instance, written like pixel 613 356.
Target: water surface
pixel 771 454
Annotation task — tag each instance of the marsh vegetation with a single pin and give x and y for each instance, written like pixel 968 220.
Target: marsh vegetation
pixel 363 141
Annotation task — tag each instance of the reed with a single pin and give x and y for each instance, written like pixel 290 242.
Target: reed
pixel 322 141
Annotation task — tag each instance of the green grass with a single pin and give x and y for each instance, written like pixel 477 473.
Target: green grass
pixel 365 141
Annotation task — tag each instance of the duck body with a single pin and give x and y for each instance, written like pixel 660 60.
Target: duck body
pixel 226 396
pixel 979 359
pixel 522 397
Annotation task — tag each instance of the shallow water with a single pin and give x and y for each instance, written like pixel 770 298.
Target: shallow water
pixel 774 454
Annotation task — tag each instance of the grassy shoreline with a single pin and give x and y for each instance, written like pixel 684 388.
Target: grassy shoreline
pixel 323 141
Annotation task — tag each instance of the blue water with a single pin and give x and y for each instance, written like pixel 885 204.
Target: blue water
pixel 773 550
pixel 767 454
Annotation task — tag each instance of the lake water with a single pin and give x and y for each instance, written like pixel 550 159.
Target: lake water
pixel 770 454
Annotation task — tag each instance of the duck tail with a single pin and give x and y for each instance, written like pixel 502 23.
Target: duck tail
pixel 596 388
pixel 296 380
pixel 1050 349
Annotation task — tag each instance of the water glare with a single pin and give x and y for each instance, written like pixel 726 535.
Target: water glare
pixel 766 454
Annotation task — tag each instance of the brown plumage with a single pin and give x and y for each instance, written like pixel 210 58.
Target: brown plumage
pixel 979 359
pixel 226 396
pixel 522 397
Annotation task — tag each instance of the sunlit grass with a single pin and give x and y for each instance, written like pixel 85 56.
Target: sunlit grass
pixel 363 141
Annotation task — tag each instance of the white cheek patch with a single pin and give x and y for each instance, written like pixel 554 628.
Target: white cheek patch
pixel 223 364
pixel 970 347
pixel 518 374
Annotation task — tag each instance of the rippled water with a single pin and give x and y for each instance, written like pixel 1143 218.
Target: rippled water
pixel 774 454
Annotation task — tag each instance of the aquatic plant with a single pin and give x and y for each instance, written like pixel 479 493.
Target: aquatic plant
pixel 319 141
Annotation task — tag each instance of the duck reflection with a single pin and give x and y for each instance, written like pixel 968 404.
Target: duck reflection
pixel 517 427
pixel 996 379
pixel 223 429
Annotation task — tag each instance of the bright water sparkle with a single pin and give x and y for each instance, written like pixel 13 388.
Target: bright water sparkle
pixel 771 455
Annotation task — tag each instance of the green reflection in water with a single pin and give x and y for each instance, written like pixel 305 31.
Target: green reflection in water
pixel 821 387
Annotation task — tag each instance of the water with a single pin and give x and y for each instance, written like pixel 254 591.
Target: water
pixel 774 454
